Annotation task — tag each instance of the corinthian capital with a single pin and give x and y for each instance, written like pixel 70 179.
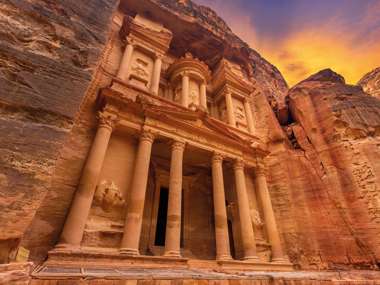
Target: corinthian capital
pixel 238 164
pixel 260 170
pixel 217 157
pixel 177 145
pixel 147 135
pixel 107 120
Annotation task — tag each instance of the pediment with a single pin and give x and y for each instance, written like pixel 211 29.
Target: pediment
pixel 197 121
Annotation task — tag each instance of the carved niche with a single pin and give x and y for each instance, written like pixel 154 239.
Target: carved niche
pixel 239 112
pixel 141 69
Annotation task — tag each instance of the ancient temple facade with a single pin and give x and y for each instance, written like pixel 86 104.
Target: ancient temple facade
pixel 175 173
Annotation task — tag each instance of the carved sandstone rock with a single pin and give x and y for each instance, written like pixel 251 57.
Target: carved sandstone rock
pixel 371 82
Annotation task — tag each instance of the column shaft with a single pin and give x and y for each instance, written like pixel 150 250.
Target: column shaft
pixel 124 68
pixel 247 234
pixel 173 226
pixel 135 207
pixel 249 117
pixel 220 212
pixel 75 222
pixel 230 110
pixel 185 91
pixel 156 76
pixel 269 218
pixel 203 97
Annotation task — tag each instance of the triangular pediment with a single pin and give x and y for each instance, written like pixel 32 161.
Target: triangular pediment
pixel 198 120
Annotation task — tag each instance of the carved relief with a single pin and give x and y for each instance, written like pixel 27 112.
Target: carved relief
pixel 108 196
pixel 141 69
pixel 222 108
pixel 256 219
pixel 194 93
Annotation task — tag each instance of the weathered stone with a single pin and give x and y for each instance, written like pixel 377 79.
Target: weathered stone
pixel 371 82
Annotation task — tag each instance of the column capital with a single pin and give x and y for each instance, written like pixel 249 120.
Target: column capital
pixel 158 55
pixel 217 157
pixel 238 164
pixel 107 119
pixel 147 135
pixel 260 170
pixel 177 145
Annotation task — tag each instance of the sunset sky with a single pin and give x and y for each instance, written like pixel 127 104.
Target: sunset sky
pixel 301 37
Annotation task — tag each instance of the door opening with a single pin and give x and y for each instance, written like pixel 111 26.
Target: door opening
pixel 159 239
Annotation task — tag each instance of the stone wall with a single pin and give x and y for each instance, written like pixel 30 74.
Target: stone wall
pixel 325 187
pixel 48 53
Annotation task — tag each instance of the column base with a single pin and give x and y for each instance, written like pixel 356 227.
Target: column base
pixel 252 258
pixel 172 253
pixel 129 251
pixel 224 258
pixel 280 260
pixel 66 247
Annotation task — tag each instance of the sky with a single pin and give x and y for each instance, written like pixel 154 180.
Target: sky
pixel 301 37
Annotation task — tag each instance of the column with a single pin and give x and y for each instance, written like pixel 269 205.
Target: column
pixel 249 116
pixel 185 90
pixel 220 212
pixel 173 226
pixel 156 75
pixel 203 96
pixel 247 234
pixel 269 219
pixel 135 207
pixel 73 229
pixel 124 69
pixel 230 110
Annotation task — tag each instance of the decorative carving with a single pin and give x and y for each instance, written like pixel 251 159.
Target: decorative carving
pixel 107 120
pixel 178 145
pixel 217 158
pixel 256 219
pixel 108 196
pixel 139 68
pixel 147 135
pixel 238 164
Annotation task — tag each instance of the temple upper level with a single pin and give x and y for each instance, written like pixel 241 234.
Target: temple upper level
pixel 148 64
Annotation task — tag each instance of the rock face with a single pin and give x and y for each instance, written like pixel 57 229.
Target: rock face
pixel 48 53
pixel 371 82
pixel 325 187
pixel 324 161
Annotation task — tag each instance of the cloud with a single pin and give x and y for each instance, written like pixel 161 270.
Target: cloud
pixel 344 38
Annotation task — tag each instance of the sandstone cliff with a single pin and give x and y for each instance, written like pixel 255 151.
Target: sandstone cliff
pixel 371 82
pixel 325 185
pixel 48 53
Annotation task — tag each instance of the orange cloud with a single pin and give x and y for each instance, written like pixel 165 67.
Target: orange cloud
pixel 349 48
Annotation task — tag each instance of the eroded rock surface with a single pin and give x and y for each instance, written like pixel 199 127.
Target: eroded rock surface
pixel 325 187
pixel 371 82
pixel 48 52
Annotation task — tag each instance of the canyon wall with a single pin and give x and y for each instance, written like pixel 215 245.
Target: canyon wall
pixel 48 53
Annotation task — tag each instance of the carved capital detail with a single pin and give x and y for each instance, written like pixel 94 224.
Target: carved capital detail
pixel 260 170
pixel 147 135
pixel 217 157
pixel 177 145
pixel 238 164
pixel 107 120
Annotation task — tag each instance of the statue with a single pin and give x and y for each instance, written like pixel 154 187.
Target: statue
pixel 108 196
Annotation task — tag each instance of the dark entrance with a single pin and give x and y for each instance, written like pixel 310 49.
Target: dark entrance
pixel 159 239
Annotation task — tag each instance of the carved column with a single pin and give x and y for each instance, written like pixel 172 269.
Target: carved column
pixel 173 226
pixel 134 217
pixel 230 110
pixel 185 90
pixel 269 219
pixel 203 96
pixel 124 68
pixel 247 234
pixel 220 212
pixel 156 75
pixel 73 229
pixel 249 116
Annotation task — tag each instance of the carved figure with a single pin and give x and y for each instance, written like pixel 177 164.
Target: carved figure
pixel 256 219
pixel 108 195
